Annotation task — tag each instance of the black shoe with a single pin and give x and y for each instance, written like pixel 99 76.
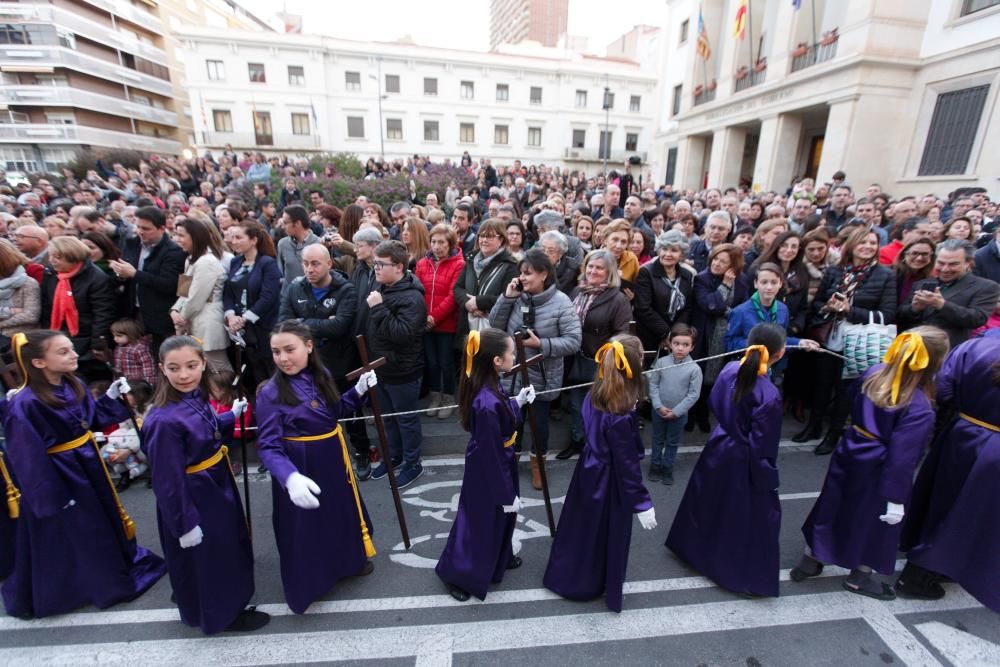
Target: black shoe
pixel 366 569
pixel 262 469
pixel 249 620
pixel 704 426
pixel 668 476
pixel 829 442
pixel 515 562
pixel 863 584
pixel 124 481
pixel 458 593
pixel 149 483
pixel 655 473
pixel 917 582
pixel 573 449
pixel 807 567
pixel 810 432
pixel 363 470
pixel 689 426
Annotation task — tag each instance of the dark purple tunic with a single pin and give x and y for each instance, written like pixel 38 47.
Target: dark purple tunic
pixel 68 558
pixel 8 531
pixel 954 523
pixel 213 581
pixel 728 522
pixel 479 544
pixel 321 546
pixel 865 473
pixel 590 553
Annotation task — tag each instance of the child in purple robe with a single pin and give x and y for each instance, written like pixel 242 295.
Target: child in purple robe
pixel 479 547
pixel 75 543
pixel 728 521
pixel 203 529
pixel 590 552
pixel 10 509
pixel 321 540
pixel 855 522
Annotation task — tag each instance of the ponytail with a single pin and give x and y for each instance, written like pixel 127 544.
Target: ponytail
pixel 618 385
pixel 765 342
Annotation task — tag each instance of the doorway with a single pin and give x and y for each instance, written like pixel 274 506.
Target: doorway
pixel 815 155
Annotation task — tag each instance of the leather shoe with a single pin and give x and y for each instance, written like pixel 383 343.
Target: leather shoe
pixel 573 449
pixel 810 432
pixel 829 443
pixel 515 562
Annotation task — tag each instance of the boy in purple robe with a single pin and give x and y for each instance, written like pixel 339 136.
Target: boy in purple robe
pixel 953 528
pixel 855 522
pixel 75 543
pixel 590 552
pixel 728 521
pixel 8 517
pixel 479 548
pixel 203 529
pixel 321 540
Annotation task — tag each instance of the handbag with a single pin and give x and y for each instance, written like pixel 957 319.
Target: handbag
pixel 184 285
pixel 827 333
pixel 866 344
pixel 477 323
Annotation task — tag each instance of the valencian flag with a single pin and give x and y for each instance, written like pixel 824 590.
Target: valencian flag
pixel 740 25
pixel 703 48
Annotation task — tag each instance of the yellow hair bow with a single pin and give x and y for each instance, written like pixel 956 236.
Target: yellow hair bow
pixel 471 350
pixel 765 356
pixel 909 350
pixel 17 342
pixel 621 361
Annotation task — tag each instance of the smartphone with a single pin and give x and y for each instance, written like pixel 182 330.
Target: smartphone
pixel 519 286
pixel 839 295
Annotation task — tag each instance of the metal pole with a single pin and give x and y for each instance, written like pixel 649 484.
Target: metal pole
pixel 606 144
pixel 750 31
pixel 381 130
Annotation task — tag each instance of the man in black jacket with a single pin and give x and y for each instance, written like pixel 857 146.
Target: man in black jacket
pixel 397 316
pixel 150 264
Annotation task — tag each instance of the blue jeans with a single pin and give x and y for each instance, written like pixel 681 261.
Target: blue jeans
pixel 404 433
pixel 439 353
pixel 666 439
pixel 541 410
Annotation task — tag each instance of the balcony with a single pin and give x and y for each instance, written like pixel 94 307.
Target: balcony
pixel 37 57
pixel 251 141
pixel 11 12
pixel 131 13
pixel 748 78
pixel 809 55
pixel 81 134
pixel 596 155
pixel 704 94
pixel 50 96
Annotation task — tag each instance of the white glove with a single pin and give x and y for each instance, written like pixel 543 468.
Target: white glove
pixel 192 538
pixel 525 396
pixel 117 388
pixel 302 491
pixel 893 514
pixel 367 380
pixel 239 407
pixel 647 519
pixel 71 503
pixel 11 393
pixel 514 507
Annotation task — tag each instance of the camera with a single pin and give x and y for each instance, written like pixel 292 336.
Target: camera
pixel 527 322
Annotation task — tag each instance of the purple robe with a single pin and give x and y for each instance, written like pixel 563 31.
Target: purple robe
pixel 479 544
pixel 953 526
pixel 213 581
pixel 8 529
pixel 77 556
pixel 728 521
pixel 843 527
pixel 590 552
pixel 321 546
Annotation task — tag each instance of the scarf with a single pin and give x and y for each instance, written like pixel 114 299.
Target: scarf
pixel 63 305
pixel 855 275
pixel 585 299
pixel 677 300
pixel 771 316
pixel 11 284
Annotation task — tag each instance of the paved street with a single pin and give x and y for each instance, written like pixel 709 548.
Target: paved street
pixel 403 614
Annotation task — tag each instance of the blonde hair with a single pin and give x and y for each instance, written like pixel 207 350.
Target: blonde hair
pixel 613 390
pixel 69 248
pixel 878 386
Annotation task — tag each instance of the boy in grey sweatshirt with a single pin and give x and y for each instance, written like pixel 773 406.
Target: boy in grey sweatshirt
pixel 673 392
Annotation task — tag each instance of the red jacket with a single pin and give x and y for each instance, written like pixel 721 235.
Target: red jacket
pixel 438 279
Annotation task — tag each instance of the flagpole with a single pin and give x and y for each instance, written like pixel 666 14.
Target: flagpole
pixel 812 5
pixel 750 30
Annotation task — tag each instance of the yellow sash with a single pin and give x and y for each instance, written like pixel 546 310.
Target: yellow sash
pixel 979 422
pixel 223 452
pixel 127 523
pixel 865 433
pixel 13 495
pixel 365 536
pixel 509 442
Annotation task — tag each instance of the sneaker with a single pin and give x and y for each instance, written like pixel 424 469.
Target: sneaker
pixel 363 469
pixel 655 473
pixel 262 469
pixel 409 474
pixel 447 406
pixel 124 481
pixel 435 403
pixel 381 471
pixel 249 620
pixel 668 476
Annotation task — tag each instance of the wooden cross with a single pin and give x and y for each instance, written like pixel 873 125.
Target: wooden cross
pixel 522 365
pixel 383 441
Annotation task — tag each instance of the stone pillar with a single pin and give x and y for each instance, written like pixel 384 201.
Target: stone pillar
pixel 837 138
pixel 776 152
pixel 727 157
pixel 690 162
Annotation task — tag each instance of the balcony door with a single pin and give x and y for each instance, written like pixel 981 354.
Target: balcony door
pixel 263 134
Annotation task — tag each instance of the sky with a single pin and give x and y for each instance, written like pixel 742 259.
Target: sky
pixel 458 24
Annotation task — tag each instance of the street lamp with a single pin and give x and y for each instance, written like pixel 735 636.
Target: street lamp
pixel 606 144
pixel 381 130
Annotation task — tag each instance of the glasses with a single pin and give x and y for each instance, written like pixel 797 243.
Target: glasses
pixel 489 236
pixel 383 265
pixel 918 255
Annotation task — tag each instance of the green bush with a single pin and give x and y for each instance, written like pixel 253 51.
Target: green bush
pixel 86 159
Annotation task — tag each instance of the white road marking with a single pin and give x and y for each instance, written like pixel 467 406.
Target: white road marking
pixel 481 636
pixel 898 638
pixel 960 648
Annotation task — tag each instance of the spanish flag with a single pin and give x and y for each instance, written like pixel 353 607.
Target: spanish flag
pixel 703 48
pixel 740 25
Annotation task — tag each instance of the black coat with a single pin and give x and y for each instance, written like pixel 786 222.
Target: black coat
pixel 487 288
pixel 698 254
pixel 263 290
pixel 876 294
pixel 988 261
pixel 94 296
pixel 155 285
pixel 330 319
pixel 395 330
pixel 968 303
pixel 708 305
pixel 652 299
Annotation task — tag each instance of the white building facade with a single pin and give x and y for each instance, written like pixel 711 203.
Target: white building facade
pixel 301 94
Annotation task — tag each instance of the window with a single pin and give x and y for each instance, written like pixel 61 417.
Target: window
pixel 684 31
pixel 632 141
pixel 534 136
pixel 973 6
pixel 356 127
pixel 501 135
pixel 263 133
pixel 352 80
pixel 432 131
pixel 536 94
pixel 300 123
pixel 671 166
pixel 223 120
pixel 635 103
pixel 609 100
pixel 216 70
pixel 467 133
pixel 296 75
pixel 257 73
pixel 145 66
pixel 394 128
pixel 675 104
pixel 953 130
pixel 503 92
pixel 468 90
pixel 579 138
pixel 392 83
pixel 430 86
pixel 581 99
pixel 604 149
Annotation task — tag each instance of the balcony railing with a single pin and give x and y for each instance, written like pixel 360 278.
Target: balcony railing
pixel 751 79
pixel 131 13
pixel 58 56
pixel 596 155
pixel 74 97
pixel 81 134
pixel 704 96
pixel 815 53
pixel 249 140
